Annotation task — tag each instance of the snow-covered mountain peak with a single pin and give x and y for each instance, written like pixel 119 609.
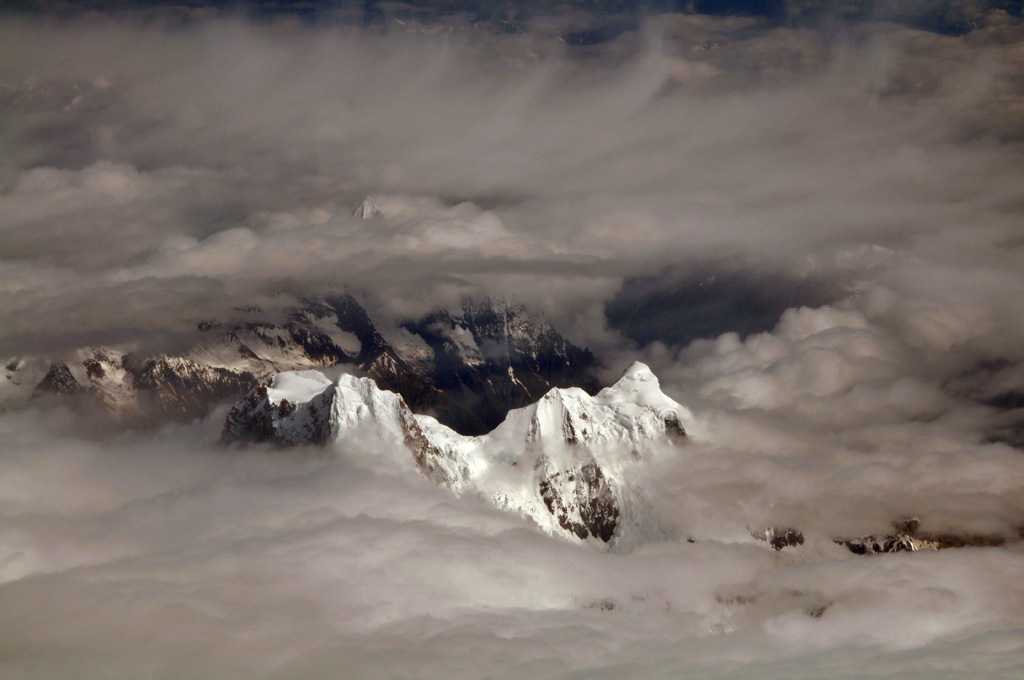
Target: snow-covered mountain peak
pixel 296 386
pixel 638 371
pixel 368 209
pixel 305 407
pixel 358 402
pixel 638 384
pixel 565 460
pixel 561 416
pixel 638 393
pixel 633 415
pixel 300 402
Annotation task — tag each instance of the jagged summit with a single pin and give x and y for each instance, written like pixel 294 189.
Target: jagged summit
pixel 59 380
pixel 563 461
pixel 296 386
pixel 633 416
pixel 638 383
pixel 638 371
pixel 306 407
pixel 367 209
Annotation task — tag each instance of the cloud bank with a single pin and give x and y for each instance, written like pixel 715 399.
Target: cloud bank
pixel 143 187
pixel 163 555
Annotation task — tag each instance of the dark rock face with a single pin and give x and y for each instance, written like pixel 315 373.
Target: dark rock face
pixel 180 389
pixel 674 429
pixel 907 537
pixel 502 357
pixel 875 545
pixel 425 454
pixel 351 318
pixel 252 418
pixel 58 380
pixel 256 419
pixel 579 498
pixel 780 538
pixel 901 540
pixel 508 360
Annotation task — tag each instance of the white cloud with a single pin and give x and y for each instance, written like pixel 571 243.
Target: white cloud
pixel 164 554
pixel 222 162
pixel 581 173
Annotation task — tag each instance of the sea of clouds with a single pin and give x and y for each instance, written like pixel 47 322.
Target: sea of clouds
pixel 158 173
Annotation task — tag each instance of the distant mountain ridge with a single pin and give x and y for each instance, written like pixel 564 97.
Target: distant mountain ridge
pixel 468 366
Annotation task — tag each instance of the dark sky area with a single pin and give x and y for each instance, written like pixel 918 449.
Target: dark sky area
pixel 607 18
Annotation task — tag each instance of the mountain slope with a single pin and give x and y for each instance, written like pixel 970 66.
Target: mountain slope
pixel 468 366
pixel 563 461
pixel 496 351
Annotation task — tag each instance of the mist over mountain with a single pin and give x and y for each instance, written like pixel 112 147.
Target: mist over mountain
pixel 551 340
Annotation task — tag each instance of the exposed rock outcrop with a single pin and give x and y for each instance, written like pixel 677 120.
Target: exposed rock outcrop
pixel 907 537
pixel 58 380
pixel 780 538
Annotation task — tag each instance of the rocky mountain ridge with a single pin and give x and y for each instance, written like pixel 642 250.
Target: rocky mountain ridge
pixel 469 365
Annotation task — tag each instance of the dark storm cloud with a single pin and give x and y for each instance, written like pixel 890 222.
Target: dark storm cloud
pixel 705 302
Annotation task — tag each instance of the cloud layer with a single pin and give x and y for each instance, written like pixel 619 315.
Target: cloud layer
pixel 157 174
pixel 162 555
pixel 224 160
